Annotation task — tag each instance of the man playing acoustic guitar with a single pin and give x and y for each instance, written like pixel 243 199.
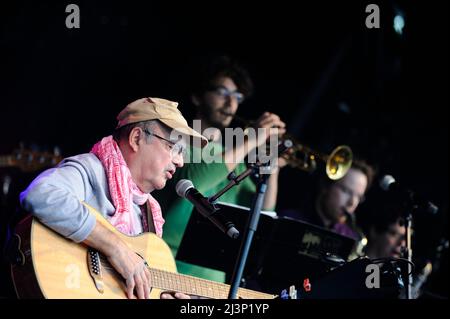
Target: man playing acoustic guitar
pixel 116 178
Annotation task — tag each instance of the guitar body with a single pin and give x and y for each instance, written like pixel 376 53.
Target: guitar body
pixel 61 267
pixel 51 266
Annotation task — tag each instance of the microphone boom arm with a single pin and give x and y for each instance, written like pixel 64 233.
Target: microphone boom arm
pixel 252 169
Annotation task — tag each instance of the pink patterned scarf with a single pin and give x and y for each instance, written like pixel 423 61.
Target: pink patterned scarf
pixel 124 191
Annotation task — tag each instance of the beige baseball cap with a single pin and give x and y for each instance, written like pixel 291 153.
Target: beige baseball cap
pixel 152 108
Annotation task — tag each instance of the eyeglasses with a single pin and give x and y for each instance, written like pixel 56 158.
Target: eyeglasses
pixel 175 148
pixel 223 92
pixel 350 193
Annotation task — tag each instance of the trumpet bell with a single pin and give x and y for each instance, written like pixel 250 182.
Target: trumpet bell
pixel 339 162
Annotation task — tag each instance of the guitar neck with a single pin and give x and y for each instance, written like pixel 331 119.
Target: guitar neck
pixel 29 161
pixel 51 254
pixel 166 280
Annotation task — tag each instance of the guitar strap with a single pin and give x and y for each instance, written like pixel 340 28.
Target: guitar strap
pixel 147 218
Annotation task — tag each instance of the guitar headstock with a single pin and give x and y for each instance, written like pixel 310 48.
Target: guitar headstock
pixel 29 161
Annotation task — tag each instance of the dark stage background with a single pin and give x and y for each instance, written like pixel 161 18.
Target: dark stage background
pixel 317 65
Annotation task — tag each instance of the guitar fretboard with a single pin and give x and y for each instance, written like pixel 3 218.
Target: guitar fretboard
pixel 200 287
pixel 166 280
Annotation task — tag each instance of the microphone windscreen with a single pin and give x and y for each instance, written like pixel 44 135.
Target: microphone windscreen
pixel 386 182
pixel 182 186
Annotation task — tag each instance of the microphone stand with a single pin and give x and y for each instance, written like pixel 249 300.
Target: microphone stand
pixel 250 230
pixel 255 213
pixel 408 252
pixel 411 205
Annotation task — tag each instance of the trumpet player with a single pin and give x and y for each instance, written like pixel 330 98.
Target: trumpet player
pixel 221 87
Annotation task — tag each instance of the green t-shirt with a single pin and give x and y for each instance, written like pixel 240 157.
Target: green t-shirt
pixel 208 178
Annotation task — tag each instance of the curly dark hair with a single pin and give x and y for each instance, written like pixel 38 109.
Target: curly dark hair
pixel 381 210
pixel 218 66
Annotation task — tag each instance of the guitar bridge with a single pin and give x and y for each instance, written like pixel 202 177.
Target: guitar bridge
pixel 95 269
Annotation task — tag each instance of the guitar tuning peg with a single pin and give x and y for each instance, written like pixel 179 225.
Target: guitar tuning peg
pixel 57 151
pixel 6 183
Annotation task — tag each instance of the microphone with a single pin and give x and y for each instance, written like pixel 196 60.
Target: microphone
pixel 185 189
pixel 285 145
pixel 388 183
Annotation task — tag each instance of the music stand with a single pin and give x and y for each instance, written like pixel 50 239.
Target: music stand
pixel 297 250
pixel 283 251
pixel 205 246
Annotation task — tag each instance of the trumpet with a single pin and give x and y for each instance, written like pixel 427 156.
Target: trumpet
pixel 300 156
pixel 337 163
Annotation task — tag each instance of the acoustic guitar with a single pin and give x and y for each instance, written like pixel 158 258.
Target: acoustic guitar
pixel 50 266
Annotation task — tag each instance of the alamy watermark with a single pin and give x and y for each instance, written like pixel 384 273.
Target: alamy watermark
pixel 72 280
pixel 73 19
pixel 373 19
pixel 260 145
pixel 373 277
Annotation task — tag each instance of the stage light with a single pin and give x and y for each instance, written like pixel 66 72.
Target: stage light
pixel 399 23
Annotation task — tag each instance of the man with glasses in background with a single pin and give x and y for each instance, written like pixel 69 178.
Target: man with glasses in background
pixel 116 178
pixel 220 87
